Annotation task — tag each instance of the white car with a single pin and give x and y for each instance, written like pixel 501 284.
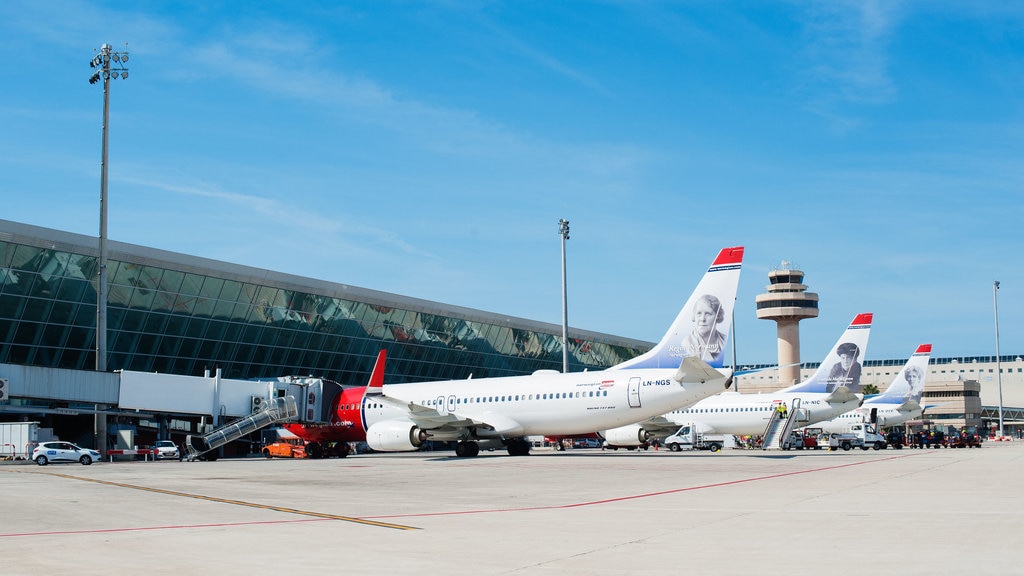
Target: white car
pixel 166 450
pixel 64 452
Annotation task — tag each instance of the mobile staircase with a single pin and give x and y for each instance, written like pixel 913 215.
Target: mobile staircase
pixel 277 410
pixel 780 426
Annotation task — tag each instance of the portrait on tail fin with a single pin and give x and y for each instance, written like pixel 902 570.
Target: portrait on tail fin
pixel 845 372
pixel 706 341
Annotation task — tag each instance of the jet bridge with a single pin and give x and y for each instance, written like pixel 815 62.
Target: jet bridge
pixel 277 410
pixel 780 426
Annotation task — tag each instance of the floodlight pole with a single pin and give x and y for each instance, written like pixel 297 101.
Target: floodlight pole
pixel 563 231
pixel 999 370
pixel 102 62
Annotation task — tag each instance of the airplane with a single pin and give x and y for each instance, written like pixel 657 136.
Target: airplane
pixel 492 412
pixel 900 402
pixel 832 390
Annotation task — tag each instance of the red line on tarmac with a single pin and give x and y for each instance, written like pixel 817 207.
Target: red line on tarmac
pixel 638 496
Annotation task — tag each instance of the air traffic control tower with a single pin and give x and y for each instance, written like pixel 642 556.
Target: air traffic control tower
pixel 787 302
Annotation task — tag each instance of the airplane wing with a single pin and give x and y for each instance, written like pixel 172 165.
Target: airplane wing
pixel 430 418
pixel 423 416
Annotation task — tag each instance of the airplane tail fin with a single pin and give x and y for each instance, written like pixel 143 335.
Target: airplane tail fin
pixel 375 387
pixel 908 385
pixel 702 327
pixel 841 367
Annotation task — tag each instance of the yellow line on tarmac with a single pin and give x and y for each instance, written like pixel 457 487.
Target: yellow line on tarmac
pixel 238 502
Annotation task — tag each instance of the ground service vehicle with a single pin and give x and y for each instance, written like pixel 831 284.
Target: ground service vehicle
pixel 688 438
pixel 963 439
pixel 799 440
pixel 64 452
pixel 286 448
pixel 861 436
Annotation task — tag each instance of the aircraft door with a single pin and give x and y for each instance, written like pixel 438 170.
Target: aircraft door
pixel 634 392
pixel 451 404
pixel 440 405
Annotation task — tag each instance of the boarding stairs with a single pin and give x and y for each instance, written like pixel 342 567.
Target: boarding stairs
pixel 279 409
pixel 779 426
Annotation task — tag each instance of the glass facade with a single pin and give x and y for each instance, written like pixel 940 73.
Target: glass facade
pixel 184 315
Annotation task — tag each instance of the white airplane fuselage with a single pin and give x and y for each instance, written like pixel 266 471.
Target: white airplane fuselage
pixel 550 403
pixel 748 414
pixel 885 415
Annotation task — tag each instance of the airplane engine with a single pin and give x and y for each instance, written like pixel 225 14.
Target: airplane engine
pixel 395 436
pixel 632 435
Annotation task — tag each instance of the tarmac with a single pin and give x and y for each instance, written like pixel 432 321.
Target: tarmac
pixel 593 512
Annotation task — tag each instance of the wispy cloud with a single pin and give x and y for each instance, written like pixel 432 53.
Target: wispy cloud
pixel 308 223
pixel 530 52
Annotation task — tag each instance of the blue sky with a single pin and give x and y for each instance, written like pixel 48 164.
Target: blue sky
pixel 429 149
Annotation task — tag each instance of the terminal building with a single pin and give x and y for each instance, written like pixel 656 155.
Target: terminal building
pixel 175 314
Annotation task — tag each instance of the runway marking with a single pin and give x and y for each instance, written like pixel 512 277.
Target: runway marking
pixel 319 515
pixel 646 495
pixel 167 527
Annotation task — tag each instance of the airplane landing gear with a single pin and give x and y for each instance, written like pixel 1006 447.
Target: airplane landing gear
pixel 518 447
pixel 467 449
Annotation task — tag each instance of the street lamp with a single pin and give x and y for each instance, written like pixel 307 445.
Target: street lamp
pixel 109 64
pixel 999 370
pixel 563 231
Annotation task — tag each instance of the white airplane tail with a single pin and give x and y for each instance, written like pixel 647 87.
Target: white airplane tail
pixel 908 385
pixel 702 327
pixel 841 368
